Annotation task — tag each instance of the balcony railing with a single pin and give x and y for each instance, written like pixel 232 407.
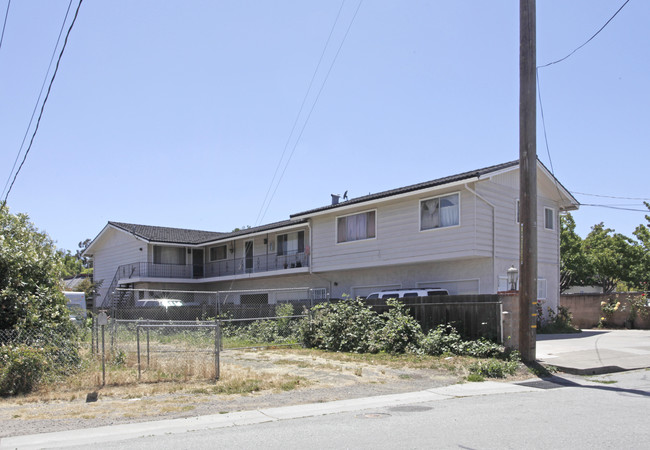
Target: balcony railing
pixel 227 267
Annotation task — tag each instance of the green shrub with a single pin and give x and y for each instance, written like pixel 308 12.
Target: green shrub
pixel 21 369
pixel 400 331
pixel 493 368
pixel 441 340
pixel 560 322
pixel 346 326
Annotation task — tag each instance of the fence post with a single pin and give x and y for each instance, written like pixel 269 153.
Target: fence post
pixel 93 326
pixel 148 344
pixel 137 334
pixel 217 349
pixel 103 320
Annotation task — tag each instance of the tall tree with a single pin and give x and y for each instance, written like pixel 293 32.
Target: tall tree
pixel 612 258
pixel 574 269
pixel 642 233
pixel 30 274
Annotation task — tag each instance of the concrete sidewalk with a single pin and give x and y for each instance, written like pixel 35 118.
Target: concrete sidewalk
pixel 595 351
pixel 587 353
pixel 113 433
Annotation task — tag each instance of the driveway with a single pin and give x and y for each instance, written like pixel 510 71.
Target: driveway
pixel 595 351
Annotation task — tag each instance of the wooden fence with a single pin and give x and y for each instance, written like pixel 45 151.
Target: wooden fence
pixel 474 316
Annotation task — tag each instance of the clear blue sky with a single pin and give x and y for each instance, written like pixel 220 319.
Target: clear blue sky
pixel 177 113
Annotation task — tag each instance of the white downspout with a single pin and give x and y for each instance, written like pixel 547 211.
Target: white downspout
pixel 494 233
pixel 311 248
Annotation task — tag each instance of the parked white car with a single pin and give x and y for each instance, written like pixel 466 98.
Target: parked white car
pixel 401 293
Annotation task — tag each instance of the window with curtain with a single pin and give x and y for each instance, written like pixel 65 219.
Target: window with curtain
pixel 440 212
pixel 291 243
pixel 356 227
pixel 168 255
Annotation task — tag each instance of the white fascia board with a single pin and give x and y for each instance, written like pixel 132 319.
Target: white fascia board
pixel 257 233
pixel 369 203
pixel 573 203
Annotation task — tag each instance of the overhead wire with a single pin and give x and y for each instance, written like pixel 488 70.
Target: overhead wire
pixel 47 95
pixel 539 90
pixel 38 100
pixel 588 40
pixel 4 23
pixel 615 207
pixel 612 196
pixel 302 105
pixel 304 125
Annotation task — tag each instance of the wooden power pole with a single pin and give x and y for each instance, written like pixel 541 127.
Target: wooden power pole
pixel 527 181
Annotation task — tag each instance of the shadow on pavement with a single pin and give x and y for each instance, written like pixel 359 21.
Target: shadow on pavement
pixel 583 334
pixel 551 381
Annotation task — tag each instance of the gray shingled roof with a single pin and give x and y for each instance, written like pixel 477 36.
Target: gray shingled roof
pixel 415 187
pixel 169 235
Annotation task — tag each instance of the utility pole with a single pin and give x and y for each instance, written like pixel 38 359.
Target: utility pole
pixel 527 181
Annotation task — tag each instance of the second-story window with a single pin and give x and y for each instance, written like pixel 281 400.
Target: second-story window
pixel 356 227
pixel 168 255
pixel 218 253
pixel 291 243
pixel 439 212
pixel 549 219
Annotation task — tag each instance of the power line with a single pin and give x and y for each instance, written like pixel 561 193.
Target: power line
pixel 588 40
pixel 347 31
pixel 295 122
pixel 4 24
pixel 38 100
pixel 614 207
pixel 548 150
pixel 38 122
pixel 612 196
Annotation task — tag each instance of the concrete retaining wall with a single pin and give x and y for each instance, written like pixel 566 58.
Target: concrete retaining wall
pixel 586 310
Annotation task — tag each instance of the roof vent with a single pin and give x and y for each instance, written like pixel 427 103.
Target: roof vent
pixel 337 197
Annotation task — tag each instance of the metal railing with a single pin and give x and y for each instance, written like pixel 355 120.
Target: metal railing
pixel 226 267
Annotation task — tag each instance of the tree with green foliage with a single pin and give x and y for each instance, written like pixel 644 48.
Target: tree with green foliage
pixel 72 266
pixel 642 233
pixel 30 275
pixel 612 258
pixel 574 269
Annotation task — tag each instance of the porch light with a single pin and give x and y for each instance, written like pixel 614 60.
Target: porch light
pixel 513 278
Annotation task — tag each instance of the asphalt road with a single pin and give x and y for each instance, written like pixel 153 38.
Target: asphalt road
pixel 605 411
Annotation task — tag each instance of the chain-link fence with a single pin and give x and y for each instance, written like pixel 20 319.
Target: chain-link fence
pixel 182 333
pixel 156 304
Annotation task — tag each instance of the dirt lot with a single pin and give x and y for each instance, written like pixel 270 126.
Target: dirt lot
pixel 302 377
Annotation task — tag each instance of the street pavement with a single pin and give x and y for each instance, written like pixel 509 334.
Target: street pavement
pixel 586 353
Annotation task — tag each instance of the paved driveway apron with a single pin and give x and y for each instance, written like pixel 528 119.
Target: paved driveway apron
pixel 595 351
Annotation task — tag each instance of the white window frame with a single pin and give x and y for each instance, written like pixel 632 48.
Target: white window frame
pixel 517 206
pixel 457 193
pixel 163 253
pixel 542 292
pixel 225 246
pixel 336 225
pixel 546 227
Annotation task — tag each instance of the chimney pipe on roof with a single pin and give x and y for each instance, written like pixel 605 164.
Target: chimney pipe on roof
pixel 335 199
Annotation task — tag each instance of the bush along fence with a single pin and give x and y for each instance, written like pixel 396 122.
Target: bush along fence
pixel 187 344
pixel 29 357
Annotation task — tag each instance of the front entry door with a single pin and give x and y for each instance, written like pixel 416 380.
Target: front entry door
pixel 197 263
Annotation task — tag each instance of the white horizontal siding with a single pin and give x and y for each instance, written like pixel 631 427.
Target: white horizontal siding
pixel 398 236
pixel 114 249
